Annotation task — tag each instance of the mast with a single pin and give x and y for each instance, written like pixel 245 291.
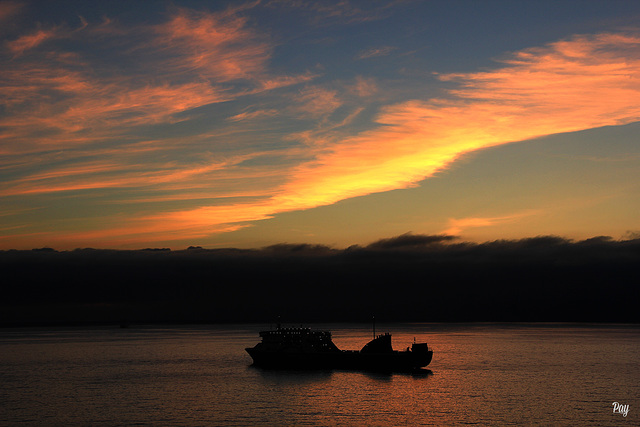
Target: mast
pixel 374 327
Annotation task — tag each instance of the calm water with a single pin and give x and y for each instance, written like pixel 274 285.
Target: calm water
pixel 487 374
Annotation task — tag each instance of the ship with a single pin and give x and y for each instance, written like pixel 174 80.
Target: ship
pixel 304 348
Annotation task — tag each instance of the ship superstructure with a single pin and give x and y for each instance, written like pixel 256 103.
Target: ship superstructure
pixel 296 340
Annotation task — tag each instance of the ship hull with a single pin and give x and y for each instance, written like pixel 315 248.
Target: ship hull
pixel 342 359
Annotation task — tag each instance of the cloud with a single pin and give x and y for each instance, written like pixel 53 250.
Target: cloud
pixel 250 115
pixel 562 87
pixel 540 92
pixel 375 52
pixel 364 87
pixel 87 110
pixel 326 131
pixel 581 83
pixel 315 101
pixel 586 81
pixel 64 105
pixel 545 278
pixel 276 82
pixel 101 175
pixel 65 98
pixel 219 46
pixel 298 249
pixel 19 46
pixel 457 226
pixel 70 104
pixel 410 241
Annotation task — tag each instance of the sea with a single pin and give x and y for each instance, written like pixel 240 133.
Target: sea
pixel 481 374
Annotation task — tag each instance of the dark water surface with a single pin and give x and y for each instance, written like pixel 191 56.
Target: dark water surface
pixel 486 374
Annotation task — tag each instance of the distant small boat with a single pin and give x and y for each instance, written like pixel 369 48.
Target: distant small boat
pixel 303 348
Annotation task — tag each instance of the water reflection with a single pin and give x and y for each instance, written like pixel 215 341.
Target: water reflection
pixel 421 373
pixel 307 375
pixel 292 375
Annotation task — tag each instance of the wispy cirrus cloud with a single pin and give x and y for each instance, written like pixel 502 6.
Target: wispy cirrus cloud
pixel 19 46
pixel 364 86
pixel 65 107
pixel 191 60
pixel 316 101
pixel 91 175
pixel 249 115
pixel 218 46
pixel 375 52
pixel 276 82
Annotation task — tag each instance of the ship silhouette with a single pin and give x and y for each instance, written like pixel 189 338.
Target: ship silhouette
pixel 304 348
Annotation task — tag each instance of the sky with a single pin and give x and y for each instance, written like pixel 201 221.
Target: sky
pixel 244 124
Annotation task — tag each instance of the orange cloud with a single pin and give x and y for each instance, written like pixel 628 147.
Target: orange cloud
pixel 97 175
pixel 325 132
pixel 575 84
pixel 97 111
pixel 179 225
pixel 275 82
pixel 60 99
pixel 457 226
pixel 249 115
pixel 540 92
pixel 316 101
pixel 20 45
pixel 581 83
pixel 219 46
pixel 83 169
pixel 364 87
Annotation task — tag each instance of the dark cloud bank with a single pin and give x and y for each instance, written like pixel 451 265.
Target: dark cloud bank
pixel 405 278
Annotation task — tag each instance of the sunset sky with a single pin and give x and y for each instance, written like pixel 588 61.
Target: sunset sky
pixel 127 124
